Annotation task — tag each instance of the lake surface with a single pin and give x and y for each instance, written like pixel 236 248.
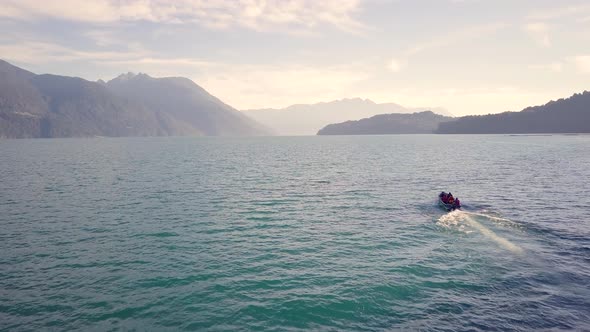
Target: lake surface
pixel 295 233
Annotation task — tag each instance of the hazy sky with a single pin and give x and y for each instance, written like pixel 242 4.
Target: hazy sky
pixel 469 56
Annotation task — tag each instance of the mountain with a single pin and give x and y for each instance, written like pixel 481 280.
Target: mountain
pixel 34 106
pixel 570 115
pixel 416 123
pixel 186 102
pixel 305 119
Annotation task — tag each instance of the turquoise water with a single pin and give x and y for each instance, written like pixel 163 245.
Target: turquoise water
pixel 300 233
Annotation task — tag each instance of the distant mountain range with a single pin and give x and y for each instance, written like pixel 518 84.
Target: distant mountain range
pixel 570 115
pixel 382 124
pixel 305 119
pixel 33 106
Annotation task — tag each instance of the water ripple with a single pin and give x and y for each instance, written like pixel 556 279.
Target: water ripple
pixel 316 233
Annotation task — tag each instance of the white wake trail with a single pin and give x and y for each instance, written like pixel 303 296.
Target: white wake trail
pixel 455 218
pixel 488 217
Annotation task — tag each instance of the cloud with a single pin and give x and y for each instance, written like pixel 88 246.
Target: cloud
pixel 158 61
pixel 555 67
pixel 558 12
pixel 445 40
pixel 456 37
pixel 539 32
pixel 395 65
pixel 258 86
pixel 102 37
pixel 582 62
pixel 35 52
pixel 260 15
pixel 241 85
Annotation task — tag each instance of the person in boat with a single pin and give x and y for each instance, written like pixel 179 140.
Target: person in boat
pixel 450 199
pixel 457 202
pixel 443 197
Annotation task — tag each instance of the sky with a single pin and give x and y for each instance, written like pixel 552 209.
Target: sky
pixel 468 56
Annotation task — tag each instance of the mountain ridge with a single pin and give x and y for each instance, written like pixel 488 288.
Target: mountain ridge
pixel 47 105
pixel 297 119
pixel 387 124
pixel 564 115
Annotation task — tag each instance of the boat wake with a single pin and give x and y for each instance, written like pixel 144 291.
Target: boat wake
pixel 466 222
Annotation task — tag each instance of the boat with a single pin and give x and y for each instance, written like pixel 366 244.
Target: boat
pixel 448 206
